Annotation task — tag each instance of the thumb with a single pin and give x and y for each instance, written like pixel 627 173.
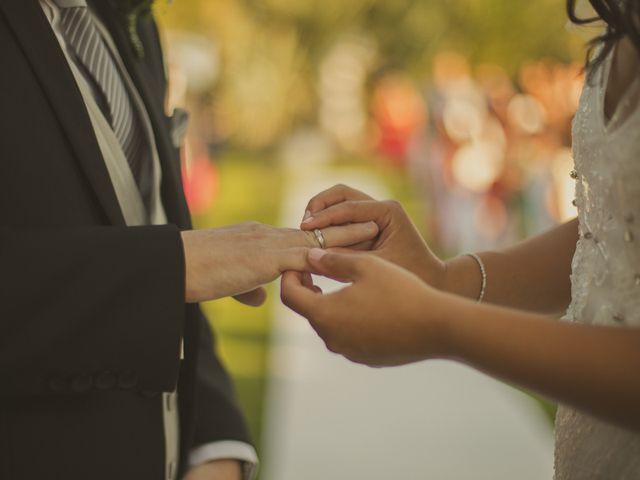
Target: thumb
pixel 338 266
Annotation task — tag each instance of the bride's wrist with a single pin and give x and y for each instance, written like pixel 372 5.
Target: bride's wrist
pixel 464 277
pixel 431 270
pixel 437 310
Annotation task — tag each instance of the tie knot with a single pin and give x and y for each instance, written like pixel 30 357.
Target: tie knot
pixel 70 3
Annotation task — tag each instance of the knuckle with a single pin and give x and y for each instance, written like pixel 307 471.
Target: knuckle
pixel 264 230
pixel 331 345
pixel 354 356
pixel 298 256
pixel 314 202
pixel 251 225
pixel 348 192
pixel 309 239
pixel 393 205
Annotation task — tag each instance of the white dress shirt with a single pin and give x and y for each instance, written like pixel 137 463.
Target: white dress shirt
pixel 134 212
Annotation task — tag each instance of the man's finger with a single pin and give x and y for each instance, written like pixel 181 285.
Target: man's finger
pixel 254 298
pixel 348 235
pixel 331 196
pixel 338 266
pixel 359 211
pixel 297 296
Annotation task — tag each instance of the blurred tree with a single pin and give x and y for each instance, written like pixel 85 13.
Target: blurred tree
pixel 271 49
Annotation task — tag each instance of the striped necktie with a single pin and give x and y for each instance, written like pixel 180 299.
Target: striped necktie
pixel 83 36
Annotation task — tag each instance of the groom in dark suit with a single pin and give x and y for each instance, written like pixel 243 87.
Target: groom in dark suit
pixel 93 317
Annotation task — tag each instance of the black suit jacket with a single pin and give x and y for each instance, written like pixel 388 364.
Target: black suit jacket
pixel 91 311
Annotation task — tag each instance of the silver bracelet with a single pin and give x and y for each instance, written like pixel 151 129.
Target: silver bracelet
pixel 483 271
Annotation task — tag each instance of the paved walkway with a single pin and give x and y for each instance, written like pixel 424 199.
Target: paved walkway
pixel 330 419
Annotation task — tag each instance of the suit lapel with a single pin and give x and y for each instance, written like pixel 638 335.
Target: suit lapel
pixel 42 50
pixel 172 193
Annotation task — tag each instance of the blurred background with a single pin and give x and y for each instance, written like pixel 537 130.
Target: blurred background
pixel 460 109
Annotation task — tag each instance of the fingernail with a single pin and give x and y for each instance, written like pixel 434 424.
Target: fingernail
pixel 307 217
pixel 316 254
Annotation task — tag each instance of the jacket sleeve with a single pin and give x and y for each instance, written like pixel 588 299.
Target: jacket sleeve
pixel 90 309
pixel 215 394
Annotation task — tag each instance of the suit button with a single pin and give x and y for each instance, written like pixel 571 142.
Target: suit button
pixel 106 381
pixel 127 380
pixel 58 385
pixel 82 383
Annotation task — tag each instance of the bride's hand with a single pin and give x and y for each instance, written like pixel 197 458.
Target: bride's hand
pixel 238 259
pixel 386 317
pixel 398 240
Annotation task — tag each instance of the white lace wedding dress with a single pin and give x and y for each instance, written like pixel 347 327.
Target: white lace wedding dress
pixel 606 268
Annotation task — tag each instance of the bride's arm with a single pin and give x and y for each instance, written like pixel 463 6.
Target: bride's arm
pixel 591 368
pixel 532 275
pixel 402 320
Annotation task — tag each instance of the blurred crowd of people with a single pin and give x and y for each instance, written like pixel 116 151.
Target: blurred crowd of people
pixel 491 157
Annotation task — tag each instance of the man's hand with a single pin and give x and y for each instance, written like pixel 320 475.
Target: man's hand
pixel 398 240
pixel 217 470
pixel 237 260
pixel 386 317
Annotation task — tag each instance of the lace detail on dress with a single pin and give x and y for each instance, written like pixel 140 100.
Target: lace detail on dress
pixel 605 275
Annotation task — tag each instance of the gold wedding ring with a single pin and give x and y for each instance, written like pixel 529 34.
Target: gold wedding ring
pixel 320 238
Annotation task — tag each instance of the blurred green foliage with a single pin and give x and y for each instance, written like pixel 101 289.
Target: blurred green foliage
pixel 271 49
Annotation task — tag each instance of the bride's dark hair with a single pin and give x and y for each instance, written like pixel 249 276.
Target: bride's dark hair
pixel 622 18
